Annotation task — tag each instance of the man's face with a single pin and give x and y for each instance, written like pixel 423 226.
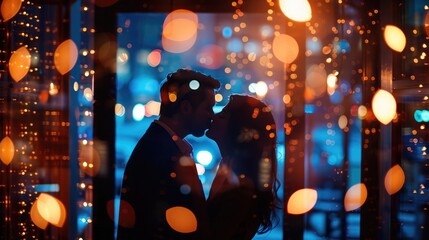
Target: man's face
pixel 219 126
pixel 202 115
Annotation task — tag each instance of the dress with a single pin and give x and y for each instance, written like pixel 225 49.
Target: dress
pixel 158 177
pixel 232 208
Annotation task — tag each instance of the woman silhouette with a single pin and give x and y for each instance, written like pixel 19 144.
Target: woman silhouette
pixel 243 196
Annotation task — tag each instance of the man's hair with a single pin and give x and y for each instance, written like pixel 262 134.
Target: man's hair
pixel 184 84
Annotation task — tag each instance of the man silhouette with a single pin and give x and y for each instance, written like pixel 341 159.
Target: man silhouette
pixel 161 185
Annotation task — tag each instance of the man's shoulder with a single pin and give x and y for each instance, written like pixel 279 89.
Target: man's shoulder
pixel 155 140
pixel 156 134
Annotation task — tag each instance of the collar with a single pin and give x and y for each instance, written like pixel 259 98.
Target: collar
pixel 183 145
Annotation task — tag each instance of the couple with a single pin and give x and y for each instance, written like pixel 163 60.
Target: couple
pixel 161 177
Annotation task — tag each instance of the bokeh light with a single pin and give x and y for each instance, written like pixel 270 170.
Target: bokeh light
pixel 296 10
pixel 152 108
pixel 342 121
pixel 122 56
pixel 285 48
pixel 119 110
pixel 315 82
pixel 179 31
pixel 200 169
pixel 261 89
pixel 19 64
pixel 138 112
pixel 154 58
pixel 65 56
pixel 178 46
pixel 180 25
pixel 394 179
pixel 394 38
pixel 43 96
pixel 194 84
pixel 362 111
pixel 211 57
pixel 89 159
pixel 234 45
pixel 355 197
pixel 9 8
pixel 51 209
pixel 7 150
pixel 331 80
pixel 181 219
pixel 421 115
pixel 302 201
pixel 37 219
pixel 227 32
pixel 204 157
pixel 426 24
pixel 384 106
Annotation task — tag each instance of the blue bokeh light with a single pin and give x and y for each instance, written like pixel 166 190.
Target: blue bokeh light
pixel 227 32
pixel 235 45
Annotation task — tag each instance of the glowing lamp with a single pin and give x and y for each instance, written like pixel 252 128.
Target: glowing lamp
pixel 296 10
pixel 302 201
pixel 384 106
pixel 181 219
pixel 285 48
pixel 394 38
pixel 7 150
pixel 37 219
pixel 355 197
pixel 9 8
pixel 19 64
pixel 394 180
pixel 51 209
pixel 65 56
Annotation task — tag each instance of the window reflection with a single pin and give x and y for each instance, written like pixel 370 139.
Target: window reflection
pixel 319 76
pixel 238 52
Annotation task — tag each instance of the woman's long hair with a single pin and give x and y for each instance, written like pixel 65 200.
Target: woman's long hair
pixel 252 147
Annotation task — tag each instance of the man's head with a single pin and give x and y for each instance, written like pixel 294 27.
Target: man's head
pixel 189 95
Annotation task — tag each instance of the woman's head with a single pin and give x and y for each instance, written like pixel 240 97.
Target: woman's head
pixel 245 132
pixel 244 121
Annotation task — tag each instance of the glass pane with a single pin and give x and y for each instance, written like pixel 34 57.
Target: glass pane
pixel 235 52
pixel 412 94
pixel 333 106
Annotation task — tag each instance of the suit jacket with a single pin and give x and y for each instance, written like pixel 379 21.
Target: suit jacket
pixel 157 178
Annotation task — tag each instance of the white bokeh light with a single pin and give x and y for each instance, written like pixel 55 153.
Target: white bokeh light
pixel 138 112
pixel 204 157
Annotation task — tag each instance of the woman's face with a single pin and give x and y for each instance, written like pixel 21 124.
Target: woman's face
pixel 218 129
